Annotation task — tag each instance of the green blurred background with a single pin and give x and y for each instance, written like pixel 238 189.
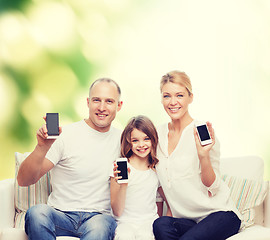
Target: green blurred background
pixel 51 51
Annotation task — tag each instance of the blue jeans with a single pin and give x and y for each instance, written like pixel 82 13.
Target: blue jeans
pixel 45 222
pixel 216 226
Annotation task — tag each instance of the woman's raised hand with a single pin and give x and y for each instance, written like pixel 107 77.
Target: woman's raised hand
pixel 204 150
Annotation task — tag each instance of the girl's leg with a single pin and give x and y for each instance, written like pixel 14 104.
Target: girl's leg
pixel 125 231
pixel 217 226
pixel 169 228
pixel 144 230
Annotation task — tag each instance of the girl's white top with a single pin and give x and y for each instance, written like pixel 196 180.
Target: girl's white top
pixel 141 194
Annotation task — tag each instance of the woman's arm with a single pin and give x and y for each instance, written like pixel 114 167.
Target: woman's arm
pixel 160 208
pixel 208 175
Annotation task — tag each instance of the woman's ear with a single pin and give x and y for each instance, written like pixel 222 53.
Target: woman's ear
pixel 191 98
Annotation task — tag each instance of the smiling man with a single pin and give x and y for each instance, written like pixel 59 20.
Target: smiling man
pixel 79 161
pixel 103 103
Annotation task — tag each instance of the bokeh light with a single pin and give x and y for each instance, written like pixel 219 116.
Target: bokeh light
pixel 51 51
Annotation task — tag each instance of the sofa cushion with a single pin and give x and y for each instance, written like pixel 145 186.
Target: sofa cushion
pixel 255 232
pixel 251 167
pixel 246 194
pixel 19 219
pixel 26 197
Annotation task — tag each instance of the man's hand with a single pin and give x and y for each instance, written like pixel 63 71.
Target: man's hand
pixel 42 134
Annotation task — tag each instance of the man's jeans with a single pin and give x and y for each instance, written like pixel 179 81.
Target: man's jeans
pixel 217 226
pixel 45 222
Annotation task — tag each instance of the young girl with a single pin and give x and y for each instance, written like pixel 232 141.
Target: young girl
pixel 134 203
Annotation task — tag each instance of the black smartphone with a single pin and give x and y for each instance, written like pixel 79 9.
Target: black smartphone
pixel 204 134
pixel 122 167
pixel 52 124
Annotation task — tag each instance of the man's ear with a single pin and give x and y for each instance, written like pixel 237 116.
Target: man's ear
pixel 88 100
pixel 120 103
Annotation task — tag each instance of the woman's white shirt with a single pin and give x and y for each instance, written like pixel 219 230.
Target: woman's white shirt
pixel 180 177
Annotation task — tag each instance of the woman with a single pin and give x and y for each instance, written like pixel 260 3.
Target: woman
pixel 189 173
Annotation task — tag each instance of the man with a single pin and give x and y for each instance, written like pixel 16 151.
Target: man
pixel 79 160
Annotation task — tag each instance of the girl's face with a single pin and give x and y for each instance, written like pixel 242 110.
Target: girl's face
pixel 141 143
pixel 175 100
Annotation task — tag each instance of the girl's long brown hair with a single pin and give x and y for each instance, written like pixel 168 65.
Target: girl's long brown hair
pixel 144 124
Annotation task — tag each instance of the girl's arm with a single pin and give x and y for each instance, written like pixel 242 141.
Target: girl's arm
pixel 208 175
pixel 169 213
pixel 118 194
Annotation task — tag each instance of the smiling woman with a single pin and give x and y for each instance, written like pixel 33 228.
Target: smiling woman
pixel 185 162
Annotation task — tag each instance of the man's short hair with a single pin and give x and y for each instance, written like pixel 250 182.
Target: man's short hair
pixel 109 80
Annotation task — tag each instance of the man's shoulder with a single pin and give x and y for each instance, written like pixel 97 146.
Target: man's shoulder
pixel 73 125
pixel 115 132
pixel 73 128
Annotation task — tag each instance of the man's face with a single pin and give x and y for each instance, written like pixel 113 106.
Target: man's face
pixel 103 104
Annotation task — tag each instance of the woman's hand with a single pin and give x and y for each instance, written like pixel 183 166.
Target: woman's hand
pixel 203 151
pixel 208 175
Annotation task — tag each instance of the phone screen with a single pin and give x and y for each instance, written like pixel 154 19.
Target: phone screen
pixel 52 123
pixel 122 166
pixel 203 132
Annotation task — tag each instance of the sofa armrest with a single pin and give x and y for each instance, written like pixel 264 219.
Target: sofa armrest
pixel 7 208
pixel 267 208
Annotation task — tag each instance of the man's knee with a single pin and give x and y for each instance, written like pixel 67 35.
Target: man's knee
pixel 38 211
pixel 103 222
pixel 37 215
pixel 101 226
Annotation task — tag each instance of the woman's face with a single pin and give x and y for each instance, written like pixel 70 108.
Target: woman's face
pixel 175 100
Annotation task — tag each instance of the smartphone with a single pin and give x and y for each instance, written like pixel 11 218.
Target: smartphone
pixel 204 134
pixel 52 124
pixel 122 167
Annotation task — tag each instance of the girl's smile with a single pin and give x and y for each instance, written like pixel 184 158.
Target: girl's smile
pixel 141 143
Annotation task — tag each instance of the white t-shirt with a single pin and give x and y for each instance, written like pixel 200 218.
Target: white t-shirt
pixel 141 194
pixel 180 177
pixel 82 157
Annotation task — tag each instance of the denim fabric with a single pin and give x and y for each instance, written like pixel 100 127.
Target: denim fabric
pixel 45 222
pixel 216 226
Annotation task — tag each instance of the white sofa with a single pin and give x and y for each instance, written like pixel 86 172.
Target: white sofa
pixel 250 167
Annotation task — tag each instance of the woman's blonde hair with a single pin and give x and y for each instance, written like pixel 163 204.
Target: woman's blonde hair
pixel 177 77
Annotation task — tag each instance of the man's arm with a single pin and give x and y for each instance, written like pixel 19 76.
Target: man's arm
pixel 36 165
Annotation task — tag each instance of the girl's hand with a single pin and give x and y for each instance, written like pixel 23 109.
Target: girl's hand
pixel 203 151
pixel 116 171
